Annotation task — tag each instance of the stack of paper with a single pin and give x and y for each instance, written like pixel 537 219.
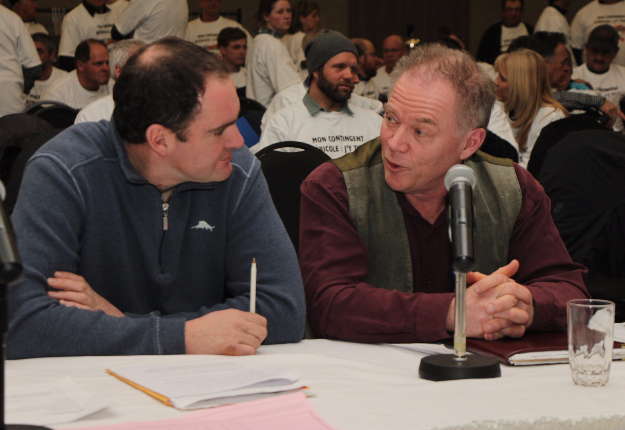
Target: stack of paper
pixel 41 404
pixel 206 383
pixel 288 412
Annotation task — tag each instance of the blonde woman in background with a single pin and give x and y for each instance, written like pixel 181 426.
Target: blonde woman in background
pixel 523 87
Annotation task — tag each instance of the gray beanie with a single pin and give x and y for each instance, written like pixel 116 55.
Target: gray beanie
pixel 325 46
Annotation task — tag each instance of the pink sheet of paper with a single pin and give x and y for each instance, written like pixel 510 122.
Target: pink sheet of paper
pixel 284 412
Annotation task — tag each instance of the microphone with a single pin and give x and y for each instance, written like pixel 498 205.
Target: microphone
pixel 460 181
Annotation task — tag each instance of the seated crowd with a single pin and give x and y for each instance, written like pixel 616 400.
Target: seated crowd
pixel 138 225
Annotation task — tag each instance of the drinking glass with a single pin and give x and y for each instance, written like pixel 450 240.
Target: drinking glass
pixel 591 338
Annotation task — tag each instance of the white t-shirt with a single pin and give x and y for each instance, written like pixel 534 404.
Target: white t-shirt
pixel 152 20
pixel 239 78
pixel 552 20
pixel 500 125
pixel 118 6
pixel 270 69
pixel 508 34
pixel 205 34
pixel 335 133
pixel 295 93
pixel 593 15
pixel 34 27
pixel 95 111
pixel 610 84
pixel 545 116
pixel 381 81
pixel 366 89
pixel 17 49
pixel 293 43
pixel 69 91
pixel 489 69
pixel 79 25
pixel 41 86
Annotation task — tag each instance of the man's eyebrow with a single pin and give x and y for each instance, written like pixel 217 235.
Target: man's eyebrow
pixel 390 110
pixel 222 127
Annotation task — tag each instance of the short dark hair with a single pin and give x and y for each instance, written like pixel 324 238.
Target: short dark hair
pixel 264 8
pixel 448 42
pixel 503 3
pixel 230 34
pixel 546 42
pixel 302 8
pixel 519 42
pixel 164 89
pixel 46 40
pixel 83 50
pixel 360 47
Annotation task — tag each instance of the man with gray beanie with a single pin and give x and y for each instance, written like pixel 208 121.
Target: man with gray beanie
pixel 324 118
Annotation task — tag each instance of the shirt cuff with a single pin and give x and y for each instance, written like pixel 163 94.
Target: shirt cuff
pixel 170 336
pixel 431 317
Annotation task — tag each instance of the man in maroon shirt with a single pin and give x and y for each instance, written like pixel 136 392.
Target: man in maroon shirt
pixel 436 117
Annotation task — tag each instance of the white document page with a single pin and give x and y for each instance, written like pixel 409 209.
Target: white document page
pixel 44 404
pixel 424 348
pixel 206 379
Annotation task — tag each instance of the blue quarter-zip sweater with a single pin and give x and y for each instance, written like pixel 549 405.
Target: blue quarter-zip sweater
pixel 83 208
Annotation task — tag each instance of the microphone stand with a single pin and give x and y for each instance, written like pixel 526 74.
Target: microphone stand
pixel 459 365
pixel 10 271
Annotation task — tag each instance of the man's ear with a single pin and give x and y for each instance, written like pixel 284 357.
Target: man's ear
pixel 473 140
pixel 80 65
pixel 160 139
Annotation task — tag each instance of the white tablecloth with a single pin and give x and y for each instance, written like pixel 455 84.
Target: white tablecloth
pixel 364 387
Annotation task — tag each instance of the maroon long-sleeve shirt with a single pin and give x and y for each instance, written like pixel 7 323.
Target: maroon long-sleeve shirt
pixel 334 261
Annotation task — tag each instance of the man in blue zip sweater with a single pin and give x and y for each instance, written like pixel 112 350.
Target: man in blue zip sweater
pixel 137 235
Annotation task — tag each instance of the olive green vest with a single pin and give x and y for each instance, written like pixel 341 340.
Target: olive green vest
pixel 379 219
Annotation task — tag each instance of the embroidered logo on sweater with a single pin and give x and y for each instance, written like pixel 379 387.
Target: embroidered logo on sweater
pixel 203 225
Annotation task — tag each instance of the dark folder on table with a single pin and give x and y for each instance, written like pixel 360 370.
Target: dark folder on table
pixel 532 348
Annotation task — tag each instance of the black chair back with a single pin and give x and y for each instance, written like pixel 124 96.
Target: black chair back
pixel 285 172
pixel 16 130
pixel 553 133
pixel 15 167
pixel 58 114
pixel 583 175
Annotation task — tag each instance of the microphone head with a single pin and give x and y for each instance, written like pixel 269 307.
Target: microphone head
pixel 459 173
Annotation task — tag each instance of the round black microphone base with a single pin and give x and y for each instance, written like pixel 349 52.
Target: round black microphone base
pixel 24 427
pixel 444 367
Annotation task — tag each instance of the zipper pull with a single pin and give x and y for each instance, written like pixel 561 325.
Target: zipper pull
pixel 165 220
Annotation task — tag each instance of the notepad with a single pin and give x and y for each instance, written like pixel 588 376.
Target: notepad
pixel 207 383
pixel 288 412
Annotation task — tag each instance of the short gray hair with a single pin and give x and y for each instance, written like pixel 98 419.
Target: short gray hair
pixel 120 52
pixel 475 89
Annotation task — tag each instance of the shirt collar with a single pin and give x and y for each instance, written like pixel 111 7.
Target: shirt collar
pixel 93 10
pixel 265 30
pixel 313 107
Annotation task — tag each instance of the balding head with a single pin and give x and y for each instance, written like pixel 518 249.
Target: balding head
pixel 143 90
pixel 393 48
pixel 368 62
